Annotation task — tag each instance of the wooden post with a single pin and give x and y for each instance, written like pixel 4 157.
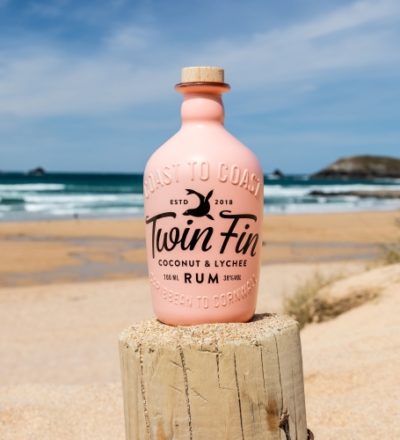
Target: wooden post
pixel 214 381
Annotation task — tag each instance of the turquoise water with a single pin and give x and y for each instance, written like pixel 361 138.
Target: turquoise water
pixel 65 195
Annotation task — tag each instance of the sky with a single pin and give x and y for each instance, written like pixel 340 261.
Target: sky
pixel 88 85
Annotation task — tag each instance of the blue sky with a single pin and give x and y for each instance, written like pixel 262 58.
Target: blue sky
pixel 88 85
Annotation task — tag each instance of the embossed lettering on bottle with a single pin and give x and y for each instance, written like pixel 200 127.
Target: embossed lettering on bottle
pixel 203 193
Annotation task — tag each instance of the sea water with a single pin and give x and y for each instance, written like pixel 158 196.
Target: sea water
pixel 69 195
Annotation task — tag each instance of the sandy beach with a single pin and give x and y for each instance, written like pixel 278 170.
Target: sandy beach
pixel 67 288
pixel 255 145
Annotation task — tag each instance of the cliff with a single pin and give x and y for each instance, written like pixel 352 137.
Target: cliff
pixel 362 167
pixel 37 172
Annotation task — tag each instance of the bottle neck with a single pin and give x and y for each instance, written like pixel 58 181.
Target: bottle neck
pixel 202 108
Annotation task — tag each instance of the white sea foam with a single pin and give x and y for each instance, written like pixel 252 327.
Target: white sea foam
pixel 305 190
pixel 83 198
pixel 52 199
pixel 344 187
pixel 69 212
pixel 28 187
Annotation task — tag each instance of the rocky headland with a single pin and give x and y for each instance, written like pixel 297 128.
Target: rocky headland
pixel 361 167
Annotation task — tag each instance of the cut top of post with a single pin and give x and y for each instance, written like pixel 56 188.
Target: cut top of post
pixel 159 334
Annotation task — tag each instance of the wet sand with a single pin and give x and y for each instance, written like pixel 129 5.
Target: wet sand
pixel 46 252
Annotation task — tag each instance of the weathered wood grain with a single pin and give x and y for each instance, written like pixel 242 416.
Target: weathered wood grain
pixel 214 381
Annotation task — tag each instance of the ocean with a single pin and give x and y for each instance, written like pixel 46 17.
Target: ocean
pixel 67 195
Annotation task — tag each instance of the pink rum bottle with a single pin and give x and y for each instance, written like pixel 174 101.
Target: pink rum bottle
pixel 203 193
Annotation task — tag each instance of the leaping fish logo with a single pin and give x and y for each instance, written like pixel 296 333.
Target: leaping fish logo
pixel 204 206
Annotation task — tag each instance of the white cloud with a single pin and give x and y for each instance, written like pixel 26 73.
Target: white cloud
pixel 356 15
pixel 49 10
pixel 353 37
pixel 135 65
pixel 131 38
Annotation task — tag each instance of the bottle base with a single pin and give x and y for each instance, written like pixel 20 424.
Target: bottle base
pixel 200 320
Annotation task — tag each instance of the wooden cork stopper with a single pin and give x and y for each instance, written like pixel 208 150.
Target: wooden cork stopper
pixel 214 381
pixel 208 74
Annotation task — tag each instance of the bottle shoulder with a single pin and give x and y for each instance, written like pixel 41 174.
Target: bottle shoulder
pixel 245 152
pixel 205 142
